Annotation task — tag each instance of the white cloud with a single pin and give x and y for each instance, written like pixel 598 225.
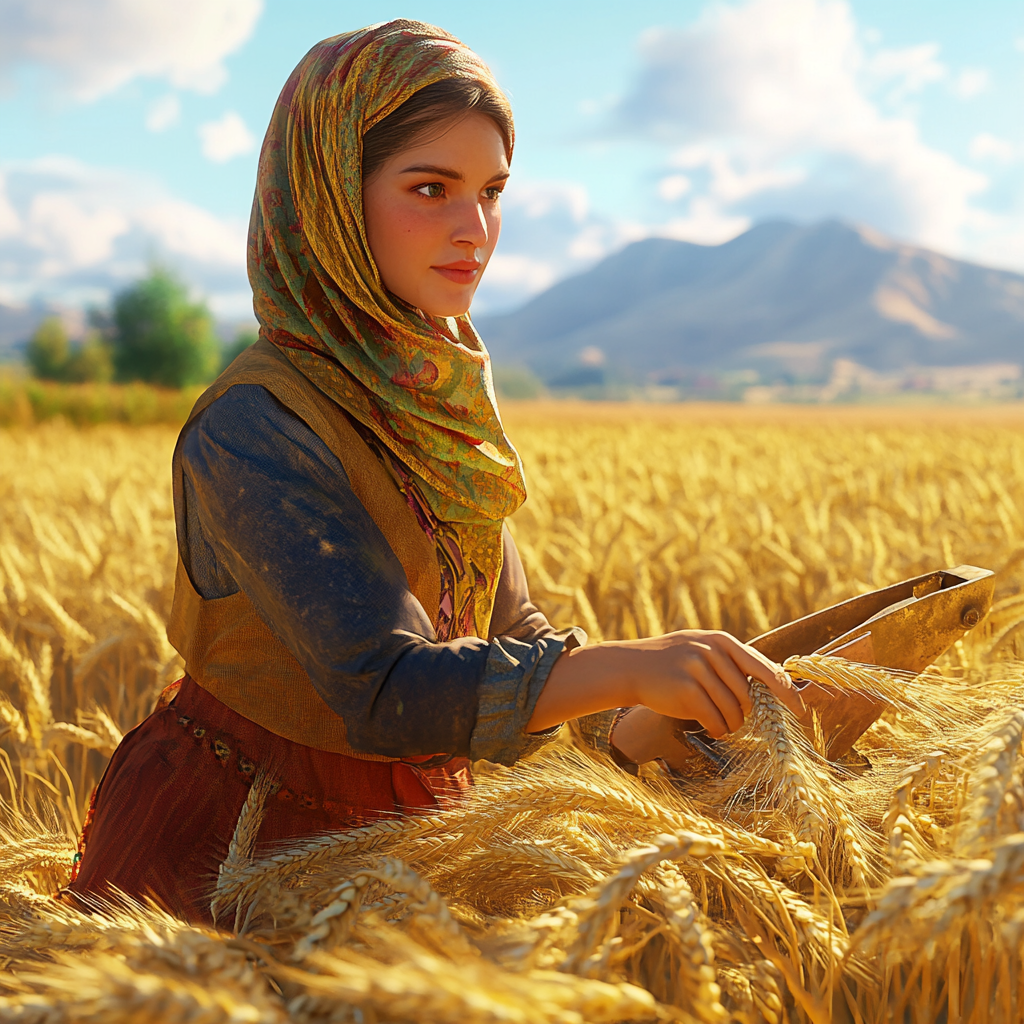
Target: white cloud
pixel 94 47
pixel 74 233
pixel 996 239
pixel 768 67
pixel 10 223
pixel 766 108
pixel 971 82
pixel 985 146
pixel 519 273
pixel 674 187
pixel 536 200
pixel 225 139
pixel 549 231
pixel 163 113
pixel 235 305
pixel 728 182
pixel 913 67
pixel 187 230
pixel 776 96
pixel 705 224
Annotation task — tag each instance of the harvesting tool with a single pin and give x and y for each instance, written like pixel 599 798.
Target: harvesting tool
pixel 906 627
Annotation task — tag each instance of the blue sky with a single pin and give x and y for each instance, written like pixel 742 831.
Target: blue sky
pixel 129 132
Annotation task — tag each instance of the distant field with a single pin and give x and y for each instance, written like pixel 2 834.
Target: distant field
pixel 560 886
pixel 922 410
pixel 25 402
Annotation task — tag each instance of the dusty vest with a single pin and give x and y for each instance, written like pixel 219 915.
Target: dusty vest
pixel 227 647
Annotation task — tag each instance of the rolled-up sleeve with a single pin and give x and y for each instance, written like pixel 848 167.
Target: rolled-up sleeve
pixel 268 510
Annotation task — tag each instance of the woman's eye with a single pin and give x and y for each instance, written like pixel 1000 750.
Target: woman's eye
pixel 493 193
pixel 432 191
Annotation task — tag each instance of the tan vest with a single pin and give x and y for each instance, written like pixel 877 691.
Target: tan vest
pixel 228 649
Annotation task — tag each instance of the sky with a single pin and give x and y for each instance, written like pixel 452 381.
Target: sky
pixel 129 129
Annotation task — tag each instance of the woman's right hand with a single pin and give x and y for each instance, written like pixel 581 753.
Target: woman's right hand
pixel 703 675
pixel 690 674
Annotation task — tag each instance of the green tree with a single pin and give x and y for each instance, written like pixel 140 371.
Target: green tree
pixel 162 337
pixel 48 350
pixel 90 361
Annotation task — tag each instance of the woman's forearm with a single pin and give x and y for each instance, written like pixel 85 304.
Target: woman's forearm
pixel 691 674
pixel 582 682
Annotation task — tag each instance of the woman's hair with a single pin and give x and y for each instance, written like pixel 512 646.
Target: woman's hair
pixel 435 107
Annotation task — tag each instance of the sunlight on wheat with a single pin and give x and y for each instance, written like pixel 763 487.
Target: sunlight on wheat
pixel 561 890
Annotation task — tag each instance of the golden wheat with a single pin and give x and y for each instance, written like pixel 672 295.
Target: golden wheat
pixel 562 890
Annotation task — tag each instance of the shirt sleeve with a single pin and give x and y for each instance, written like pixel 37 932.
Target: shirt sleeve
pixel 268 510
pixel 515 615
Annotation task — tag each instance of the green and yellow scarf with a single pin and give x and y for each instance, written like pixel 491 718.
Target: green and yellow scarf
pixel 422 385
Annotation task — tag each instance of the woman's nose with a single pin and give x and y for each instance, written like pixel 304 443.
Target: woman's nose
pixel 471 228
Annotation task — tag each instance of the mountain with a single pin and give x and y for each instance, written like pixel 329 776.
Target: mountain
pixel 16 325
pixel 782 299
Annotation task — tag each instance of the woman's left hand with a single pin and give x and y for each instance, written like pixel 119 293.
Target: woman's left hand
pixel 642 735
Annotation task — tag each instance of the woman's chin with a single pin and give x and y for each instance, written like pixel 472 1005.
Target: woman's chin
pixel 448 305
pixel 444 298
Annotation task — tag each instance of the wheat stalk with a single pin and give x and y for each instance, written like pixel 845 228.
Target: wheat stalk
pixel 493 910
pixel 989 781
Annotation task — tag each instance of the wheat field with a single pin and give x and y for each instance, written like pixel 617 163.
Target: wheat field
pixel 563 890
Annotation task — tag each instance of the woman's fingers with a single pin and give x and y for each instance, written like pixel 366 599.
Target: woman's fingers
pixel 729 673
pixel 701 706
pixel 713 669
pixel 720 692
pixel 754 663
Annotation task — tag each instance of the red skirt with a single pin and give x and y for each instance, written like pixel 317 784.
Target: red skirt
pixel 166 808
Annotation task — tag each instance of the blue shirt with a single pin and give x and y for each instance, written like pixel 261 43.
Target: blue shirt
pixel 268 510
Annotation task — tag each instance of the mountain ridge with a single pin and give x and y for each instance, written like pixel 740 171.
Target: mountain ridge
pixel 780 299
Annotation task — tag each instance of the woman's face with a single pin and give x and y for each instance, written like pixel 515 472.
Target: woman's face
pixel 433 214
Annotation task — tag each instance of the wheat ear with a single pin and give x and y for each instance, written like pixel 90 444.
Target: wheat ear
pixel 598 909
pixel 989 780
pixel 243 841
pixel 697 974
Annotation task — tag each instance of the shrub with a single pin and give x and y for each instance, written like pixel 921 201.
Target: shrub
pixel 91 362
pixel 51 356
pixel 48 350
pixel 161 337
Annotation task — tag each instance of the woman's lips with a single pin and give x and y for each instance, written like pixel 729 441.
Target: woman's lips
pixel 460 272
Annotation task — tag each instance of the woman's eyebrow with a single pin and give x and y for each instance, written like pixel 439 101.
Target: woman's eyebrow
pixel 447 172
pixel 441 172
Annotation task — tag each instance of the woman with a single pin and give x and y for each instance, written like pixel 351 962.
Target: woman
pixel 351 609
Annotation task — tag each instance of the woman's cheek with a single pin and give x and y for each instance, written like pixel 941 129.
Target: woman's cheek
pixel 407 222
pixel 425 235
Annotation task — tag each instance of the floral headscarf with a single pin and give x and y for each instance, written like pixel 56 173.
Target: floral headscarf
pixel 421 384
